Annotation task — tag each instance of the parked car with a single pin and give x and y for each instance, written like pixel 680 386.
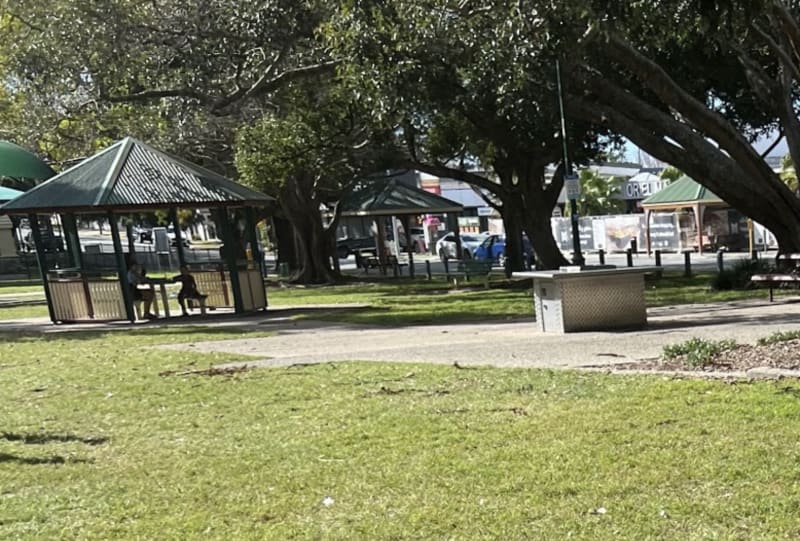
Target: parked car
pixel 446 246
pixel 493 248
pixel 52 243
pixel 347 246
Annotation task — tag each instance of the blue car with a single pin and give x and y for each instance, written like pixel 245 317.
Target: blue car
pixel 493 248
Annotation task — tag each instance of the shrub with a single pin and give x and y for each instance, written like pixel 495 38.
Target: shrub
pixel 697 352
pixel 738 277
pixel 780 336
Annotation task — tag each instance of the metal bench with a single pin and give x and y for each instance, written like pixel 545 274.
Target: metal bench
pixel 775 280
pixel 471 267
pixel 788 274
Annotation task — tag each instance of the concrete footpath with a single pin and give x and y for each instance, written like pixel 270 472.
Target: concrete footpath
pixel 512 343
pixel 515 343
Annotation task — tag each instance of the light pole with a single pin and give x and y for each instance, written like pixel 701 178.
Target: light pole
pixel 571 181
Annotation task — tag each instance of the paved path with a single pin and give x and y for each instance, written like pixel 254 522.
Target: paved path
pixel 515 343
pixel 508 344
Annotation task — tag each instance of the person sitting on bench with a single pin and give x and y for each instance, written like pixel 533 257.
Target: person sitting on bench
pixel 188 289
pixel 135 279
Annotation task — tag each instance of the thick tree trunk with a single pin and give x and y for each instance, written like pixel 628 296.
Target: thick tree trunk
pixel 540 199
pixel 513 213
pixel 526 204
pixel 284 238
pixel 315 247
pixel 540 232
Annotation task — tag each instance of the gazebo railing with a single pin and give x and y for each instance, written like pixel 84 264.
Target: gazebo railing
pixel 80 297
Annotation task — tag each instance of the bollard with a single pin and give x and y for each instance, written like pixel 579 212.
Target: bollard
pixel 446 269
pixel 659 272
pixel 602 255
pixel 634 245
pixel 428 270
pixel 687 263
pixel 629 257
pixel 754 255
pixel 395 269
pixel 720 262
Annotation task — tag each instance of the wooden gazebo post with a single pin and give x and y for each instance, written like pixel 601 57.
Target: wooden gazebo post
pixel 70 226
pixel 252 238
pixel 122 271
pixel 698 217
pixel 173 217
pixel 229 240
pixel 406 221
pixel 41 259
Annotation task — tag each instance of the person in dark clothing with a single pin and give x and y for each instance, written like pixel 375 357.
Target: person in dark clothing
pixel 188 288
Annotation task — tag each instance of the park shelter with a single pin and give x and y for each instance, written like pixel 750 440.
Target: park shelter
pixel 683 194
pixel 130 176
pixel 392 198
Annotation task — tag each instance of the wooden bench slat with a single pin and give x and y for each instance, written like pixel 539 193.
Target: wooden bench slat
pixel 774 280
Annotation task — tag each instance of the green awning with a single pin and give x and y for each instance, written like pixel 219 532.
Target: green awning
pixel 18 163
pixel 683 191
pixel 7 194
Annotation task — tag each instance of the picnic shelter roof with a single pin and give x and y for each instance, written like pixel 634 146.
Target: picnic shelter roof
pixel 683 192
pixel 131 175
pixel 392 198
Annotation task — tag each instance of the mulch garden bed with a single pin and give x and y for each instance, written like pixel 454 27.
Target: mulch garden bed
pixel 783 355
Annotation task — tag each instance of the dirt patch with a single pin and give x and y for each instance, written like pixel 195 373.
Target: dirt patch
pixel 781 355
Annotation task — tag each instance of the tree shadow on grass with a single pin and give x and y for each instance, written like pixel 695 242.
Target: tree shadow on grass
pixel 63 333
pixel 40 439
pixel 33 461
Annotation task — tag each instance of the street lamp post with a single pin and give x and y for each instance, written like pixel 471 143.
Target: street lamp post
pixel 571 181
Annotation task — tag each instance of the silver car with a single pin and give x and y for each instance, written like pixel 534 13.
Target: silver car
pixel 446 246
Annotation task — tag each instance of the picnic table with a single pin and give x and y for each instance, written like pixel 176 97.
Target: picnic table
pixel 572 300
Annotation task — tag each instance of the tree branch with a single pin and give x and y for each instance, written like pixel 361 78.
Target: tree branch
pixel 449 172
pixel 711 123
pixel 266 83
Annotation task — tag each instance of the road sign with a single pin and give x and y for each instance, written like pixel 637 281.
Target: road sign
pixel 573 186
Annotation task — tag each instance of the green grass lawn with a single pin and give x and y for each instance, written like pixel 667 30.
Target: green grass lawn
pixel 409 302
pixel 95 444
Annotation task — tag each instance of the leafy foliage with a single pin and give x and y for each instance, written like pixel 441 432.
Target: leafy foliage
pixel 778 337
pixel 738 276
pixel 599 194
pixel 789 174
pixel 697 351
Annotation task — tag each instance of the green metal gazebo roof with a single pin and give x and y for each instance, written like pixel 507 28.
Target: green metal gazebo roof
pixel 130 175
pixel 391 198
pixel 683 191
pixel 18 163
pixel 7 194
